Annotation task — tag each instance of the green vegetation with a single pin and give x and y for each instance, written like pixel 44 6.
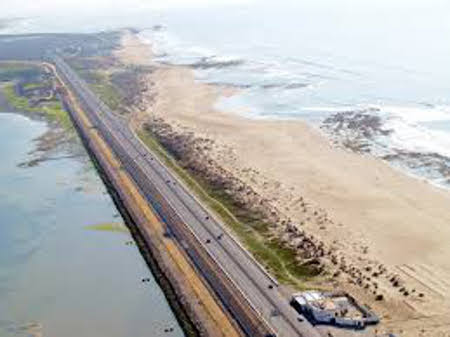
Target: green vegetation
pixel 18 102
pixel 52 109
pixel 108 94
pixel 116 86
pixel 109 227
pixel 30 86
pixel 252 231
pixel 101 84
pixel 55 112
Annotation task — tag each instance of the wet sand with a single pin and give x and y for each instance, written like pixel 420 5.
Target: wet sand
pixel 385 229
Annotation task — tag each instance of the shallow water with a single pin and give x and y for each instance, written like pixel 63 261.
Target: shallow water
pixel 58 275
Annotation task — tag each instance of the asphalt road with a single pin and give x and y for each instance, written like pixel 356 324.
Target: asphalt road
pixel 254 284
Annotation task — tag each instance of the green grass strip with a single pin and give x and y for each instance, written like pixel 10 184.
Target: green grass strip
pixel 109 227
pixel 31 86
pixel 18 102
pixel 53 110
pixel 281 261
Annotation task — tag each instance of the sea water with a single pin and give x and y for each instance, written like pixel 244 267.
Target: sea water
pixel 313 61
pixel 59 274
pixel 304 59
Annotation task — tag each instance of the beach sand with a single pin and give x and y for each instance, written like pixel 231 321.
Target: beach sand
pixel 372 216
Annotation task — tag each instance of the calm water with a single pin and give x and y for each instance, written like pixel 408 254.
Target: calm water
pixel 58 277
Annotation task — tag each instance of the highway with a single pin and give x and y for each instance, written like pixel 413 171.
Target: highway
pixel 242 282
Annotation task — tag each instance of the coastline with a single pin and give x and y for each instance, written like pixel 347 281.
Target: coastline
pixel 60 134
pixel 164 276
pixel 51 142
pixel 196 307
pixel 70 188
pixel 366 212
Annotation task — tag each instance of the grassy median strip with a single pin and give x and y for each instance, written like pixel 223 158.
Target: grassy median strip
pixel 101 83
pixel 253 233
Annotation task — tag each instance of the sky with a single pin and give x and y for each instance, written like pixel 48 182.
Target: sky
pixel 20 8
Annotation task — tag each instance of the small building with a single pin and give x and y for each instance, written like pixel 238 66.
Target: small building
pixel 333 308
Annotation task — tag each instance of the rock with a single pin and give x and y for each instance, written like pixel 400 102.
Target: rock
pixel 379 297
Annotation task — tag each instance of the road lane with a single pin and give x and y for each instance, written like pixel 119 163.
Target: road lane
pixel 234 261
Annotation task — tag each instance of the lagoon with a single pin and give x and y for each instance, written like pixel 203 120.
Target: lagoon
pixel 62 272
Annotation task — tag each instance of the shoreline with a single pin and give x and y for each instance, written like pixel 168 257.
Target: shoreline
pixel 197 308
pixel 171 292
pixel 60 133
pixel 40 322
pixel 319 129
pixel 170 283
pixel 364 210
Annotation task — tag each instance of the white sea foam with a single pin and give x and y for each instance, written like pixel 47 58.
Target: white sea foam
pixel 410 130
pixel 415 114
pixel 312 76
pixel 410 134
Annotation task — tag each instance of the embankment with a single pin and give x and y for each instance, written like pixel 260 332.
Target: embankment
pixel 198 310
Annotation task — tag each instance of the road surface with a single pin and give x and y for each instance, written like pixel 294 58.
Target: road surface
pixel 254 284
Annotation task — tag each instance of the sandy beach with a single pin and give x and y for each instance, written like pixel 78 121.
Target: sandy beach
pixel 388 233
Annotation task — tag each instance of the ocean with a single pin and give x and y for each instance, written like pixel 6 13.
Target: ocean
pixel 372 75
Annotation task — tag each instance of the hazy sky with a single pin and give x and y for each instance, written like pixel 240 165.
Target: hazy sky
pixel 19 8
pixel 42 7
